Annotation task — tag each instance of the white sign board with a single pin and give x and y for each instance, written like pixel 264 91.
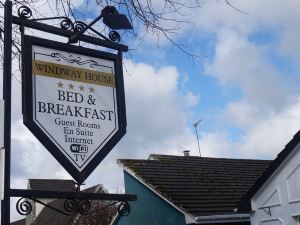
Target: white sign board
pixel 74 103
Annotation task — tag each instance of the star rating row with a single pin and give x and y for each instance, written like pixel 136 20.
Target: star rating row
pixel 72 87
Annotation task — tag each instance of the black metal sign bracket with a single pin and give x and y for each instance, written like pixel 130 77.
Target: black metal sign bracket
pixel 68 194
pixel 74 202
pixel 72 30
pixel 77 202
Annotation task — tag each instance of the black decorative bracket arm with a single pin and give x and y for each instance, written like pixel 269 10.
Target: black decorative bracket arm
pixel 74 38
pixel 110 16
pixel 71 206
pixel 73 202
pixel 112 19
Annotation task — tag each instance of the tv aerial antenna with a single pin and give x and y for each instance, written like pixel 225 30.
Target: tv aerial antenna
pixel 195 126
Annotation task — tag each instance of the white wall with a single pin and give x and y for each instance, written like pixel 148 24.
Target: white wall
pixel 280 195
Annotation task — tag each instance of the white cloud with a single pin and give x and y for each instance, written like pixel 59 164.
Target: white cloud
pixel 242 114
pixel 156 112
pixel 215 144
pixel 156 108
pixel 268 138
pixel 266 112
pixel 261 138
pixel 242 63
pixel 191 99
pixel 156 117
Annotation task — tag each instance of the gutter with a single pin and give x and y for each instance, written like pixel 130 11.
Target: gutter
pixel 229 218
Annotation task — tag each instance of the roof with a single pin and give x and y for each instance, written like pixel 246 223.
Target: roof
pixel 246 200
pixel 19 222
pixel 199 186
pixel 48 216
pixel 51 185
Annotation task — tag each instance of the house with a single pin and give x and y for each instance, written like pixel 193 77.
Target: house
pixel 41 215
pixel 275 197
pixel 179 190
pixel 19 222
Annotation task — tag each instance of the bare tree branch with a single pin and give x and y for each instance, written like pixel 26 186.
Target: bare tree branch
pixel 161 19
pixel 228 3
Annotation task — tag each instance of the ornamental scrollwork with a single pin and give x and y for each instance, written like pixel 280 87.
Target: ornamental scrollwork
pixel 124 208
pixel 24 12
pixel 23 206
pixel 72 59
pixel 67 24
pixel 73 206
pixel 79 26
pixel 114 36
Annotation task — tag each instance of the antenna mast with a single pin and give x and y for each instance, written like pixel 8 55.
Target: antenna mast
pixel 196 125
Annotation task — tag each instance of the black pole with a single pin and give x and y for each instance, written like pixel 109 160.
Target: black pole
pixel 198 140
pixel 70 195
pixel 5 203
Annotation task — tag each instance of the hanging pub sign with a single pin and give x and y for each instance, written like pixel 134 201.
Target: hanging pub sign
pixel 73 102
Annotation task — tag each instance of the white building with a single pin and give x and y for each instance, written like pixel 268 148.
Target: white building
pixel 275 197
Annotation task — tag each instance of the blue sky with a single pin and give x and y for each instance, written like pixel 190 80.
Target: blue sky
pixel 246 90
pixel 245 75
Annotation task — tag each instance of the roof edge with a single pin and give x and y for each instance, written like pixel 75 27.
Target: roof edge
pixel 115 219
pixel 188 217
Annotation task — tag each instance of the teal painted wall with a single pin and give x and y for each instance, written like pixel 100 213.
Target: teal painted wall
pixel 149 209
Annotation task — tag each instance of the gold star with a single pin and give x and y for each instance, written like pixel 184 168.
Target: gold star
pixel 71 86
pixel 60 85
pixel 81 88
pixel 92 89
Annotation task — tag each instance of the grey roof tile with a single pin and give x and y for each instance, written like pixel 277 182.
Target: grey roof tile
pixel 48 216
pixel 51 185
pixel 19 222
pixel 199 185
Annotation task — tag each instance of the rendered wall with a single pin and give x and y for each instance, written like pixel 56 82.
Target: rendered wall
pixel 150 209
pixel 278 201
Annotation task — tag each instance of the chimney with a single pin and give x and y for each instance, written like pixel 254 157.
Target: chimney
pixel 186 152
